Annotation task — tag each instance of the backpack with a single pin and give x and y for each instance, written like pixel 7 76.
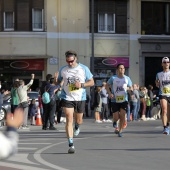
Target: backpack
pixel 46 97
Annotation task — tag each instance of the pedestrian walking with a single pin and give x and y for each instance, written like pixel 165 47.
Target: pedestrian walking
pixel 76 78
pixel 119 84
pixel 163 83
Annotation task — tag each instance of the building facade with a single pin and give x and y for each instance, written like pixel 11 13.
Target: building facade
pixel 34 35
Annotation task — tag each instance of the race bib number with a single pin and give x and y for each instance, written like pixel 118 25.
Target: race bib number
pixel 120 99
pixel 72 88
pixel 166 90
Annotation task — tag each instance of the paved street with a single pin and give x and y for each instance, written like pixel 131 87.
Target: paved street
pixel 142 147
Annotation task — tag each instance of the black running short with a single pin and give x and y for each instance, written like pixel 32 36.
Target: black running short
pixel 117 106
pixel 79 106
pixel 167 98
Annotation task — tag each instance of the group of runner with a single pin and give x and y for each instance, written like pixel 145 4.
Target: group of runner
pixel 75 77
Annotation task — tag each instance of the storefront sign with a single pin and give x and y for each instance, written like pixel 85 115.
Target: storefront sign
pixel 37 64
pixel 110 62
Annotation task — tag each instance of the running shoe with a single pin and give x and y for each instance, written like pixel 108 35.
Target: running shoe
pixel 71 150
pixel 120 134
pixel 166 131
pixel 115 124
pixel 76 132
pixel 125 125
pixel 116 130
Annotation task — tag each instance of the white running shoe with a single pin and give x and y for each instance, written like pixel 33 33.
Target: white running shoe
pixel 98 121
pixel 71 150
pixel 76 132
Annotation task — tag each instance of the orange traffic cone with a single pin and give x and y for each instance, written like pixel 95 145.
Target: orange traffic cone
pixel 38 118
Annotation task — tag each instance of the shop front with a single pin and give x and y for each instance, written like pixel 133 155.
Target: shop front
pixel 22 69
pixel 105 67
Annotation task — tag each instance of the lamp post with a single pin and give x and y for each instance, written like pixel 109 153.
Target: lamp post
pixel 92 36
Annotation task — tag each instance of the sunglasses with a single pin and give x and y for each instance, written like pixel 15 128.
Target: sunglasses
pixel 165 62
pixel 70 61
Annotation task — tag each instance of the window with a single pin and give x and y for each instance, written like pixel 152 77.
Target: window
pixel 37 19
pixel 8 21
pixel 155 18
pixel 109 16
pixel 106 22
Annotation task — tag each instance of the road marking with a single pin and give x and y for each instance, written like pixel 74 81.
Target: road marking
pixel 21 158
pixel 34 143
pixel 27 148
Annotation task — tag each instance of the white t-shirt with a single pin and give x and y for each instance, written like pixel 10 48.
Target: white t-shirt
pixel 119 88
pixel 164 79
pixel 70 75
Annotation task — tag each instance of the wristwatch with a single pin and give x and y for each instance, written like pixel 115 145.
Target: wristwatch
pixel 82 85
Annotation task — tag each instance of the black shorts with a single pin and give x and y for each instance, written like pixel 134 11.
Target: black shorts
pixel 79 106
pixel 117 106
pixel 167 98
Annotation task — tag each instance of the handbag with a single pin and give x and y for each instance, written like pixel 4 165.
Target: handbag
pixel 24 104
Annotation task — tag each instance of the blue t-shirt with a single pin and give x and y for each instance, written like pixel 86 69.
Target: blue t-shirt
pixel 70 75
pixel 119 88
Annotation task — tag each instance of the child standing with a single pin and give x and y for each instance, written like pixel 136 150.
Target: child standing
pixel 32 111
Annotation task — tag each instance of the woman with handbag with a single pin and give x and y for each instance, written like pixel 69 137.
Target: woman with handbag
pixel 23 98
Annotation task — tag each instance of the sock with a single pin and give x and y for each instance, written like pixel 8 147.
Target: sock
pixel 70 141
pixel 76 126
pixel 165 127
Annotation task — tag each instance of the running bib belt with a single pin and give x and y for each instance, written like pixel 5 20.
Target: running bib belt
pixel 119 88
pixel 164 79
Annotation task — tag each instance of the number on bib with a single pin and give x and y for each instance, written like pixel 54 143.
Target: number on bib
pixel 72 87
pixel 166 90
pixel 120 99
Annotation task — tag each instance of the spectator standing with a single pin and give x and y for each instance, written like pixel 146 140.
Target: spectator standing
pixel 97 105
pixel 23 99
pixel 143 103
pixel 163 83
pixel 32 111
pixel 40 105
pixel 76 77
pixel 134 100
pixel 14 96
pixel 59 109
pixel 50 108
pixel 42 90
pixel 105 109
pixel 119 84
pixel 87 105
pixel 138 104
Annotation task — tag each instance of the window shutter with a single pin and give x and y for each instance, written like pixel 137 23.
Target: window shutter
pixel 121 16
pixel 23 15
pixel 38 4
pixel 9 5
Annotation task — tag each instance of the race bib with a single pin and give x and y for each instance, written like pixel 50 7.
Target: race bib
pixel 166 90
pixel 72 88
pixel 120 99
